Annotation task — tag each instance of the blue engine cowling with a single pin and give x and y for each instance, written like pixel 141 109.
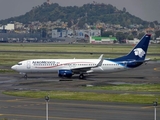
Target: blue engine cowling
pixel 65 73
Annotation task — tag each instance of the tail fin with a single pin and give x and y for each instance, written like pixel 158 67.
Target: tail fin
pixel 139 51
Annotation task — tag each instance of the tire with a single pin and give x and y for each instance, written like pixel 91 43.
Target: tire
pixel 81 76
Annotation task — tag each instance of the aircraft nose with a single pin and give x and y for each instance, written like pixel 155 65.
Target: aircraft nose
pixel 14 67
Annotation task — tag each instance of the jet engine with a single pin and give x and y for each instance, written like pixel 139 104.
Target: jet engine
pixel 65 73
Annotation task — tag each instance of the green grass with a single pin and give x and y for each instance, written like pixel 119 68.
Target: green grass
pixel 135 88
pixel 73 48
pixel 88 96
pixel 102 97
pixel 10 58
pixel 6 71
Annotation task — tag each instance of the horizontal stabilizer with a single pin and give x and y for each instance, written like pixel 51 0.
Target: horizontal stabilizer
pixel 147 59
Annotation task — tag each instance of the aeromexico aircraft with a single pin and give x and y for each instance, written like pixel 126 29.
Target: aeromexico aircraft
pixel 69 67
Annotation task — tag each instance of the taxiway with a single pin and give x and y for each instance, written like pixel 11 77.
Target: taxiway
pixel 19 108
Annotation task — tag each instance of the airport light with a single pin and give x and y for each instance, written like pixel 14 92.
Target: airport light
pixel 47 100
pixel 155 104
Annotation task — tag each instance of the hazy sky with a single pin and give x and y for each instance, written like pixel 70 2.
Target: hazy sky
pixel 148 10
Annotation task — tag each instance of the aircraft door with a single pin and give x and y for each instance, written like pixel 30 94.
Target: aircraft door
pixel 28 64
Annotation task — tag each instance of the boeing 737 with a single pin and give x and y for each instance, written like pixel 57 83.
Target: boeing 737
pixel 68 67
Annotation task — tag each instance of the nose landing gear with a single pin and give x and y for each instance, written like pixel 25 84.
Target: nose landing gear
pixel 24 75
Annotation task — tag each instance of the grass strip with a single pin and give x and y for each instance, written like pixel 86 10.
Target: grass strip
pixel 6 71
pixel 129 87
pixel 73 48
pixel 5 57
pixel 88 96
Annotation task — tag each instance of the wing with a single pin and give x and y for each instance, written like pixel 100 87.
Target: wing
pixel 87 68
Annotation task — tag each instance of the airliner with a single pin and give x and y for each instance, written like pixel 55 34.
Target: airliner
pixel 66 68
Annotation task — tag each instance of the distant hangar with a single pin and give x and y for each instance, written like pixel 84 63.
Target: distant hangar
pixel 104 40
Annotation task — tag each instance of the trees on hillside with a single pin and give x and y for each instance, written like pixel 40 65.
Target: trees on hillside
pixel 90 12
pixel 157 34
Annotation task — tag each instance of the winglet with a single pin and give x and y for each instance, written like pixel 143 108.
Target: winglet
pixel 101 56
pixel 101 61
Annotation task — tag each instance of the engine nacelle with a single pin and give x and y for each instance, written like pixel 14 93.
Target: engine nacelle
pixel 65 73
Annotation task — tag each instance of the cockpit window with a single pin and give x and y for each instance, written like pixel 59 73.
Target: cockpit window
pixel 19 64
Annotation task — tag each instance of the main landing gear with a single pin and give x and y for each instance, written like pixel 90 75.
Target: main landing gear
pixel 25 76
pixel 81 76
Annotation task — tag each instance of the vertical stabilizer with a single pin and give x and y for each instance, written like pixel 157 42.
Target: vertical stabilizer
pixel 139 51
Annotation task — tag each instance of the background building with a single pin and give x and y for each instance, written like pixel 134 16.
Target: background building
pixel 104 40
pixel 9 27
pixel 79 34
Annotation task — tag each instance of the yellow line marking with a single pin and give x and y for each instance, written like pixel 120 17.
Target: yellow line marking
pixel 156 69
pixel 31 116
pixel 147 107
pixel 15 100
pixel 5 107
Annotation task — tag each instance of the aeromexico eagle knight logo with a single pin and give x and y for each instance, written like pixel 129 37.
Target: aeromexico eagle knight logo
pixel 139 52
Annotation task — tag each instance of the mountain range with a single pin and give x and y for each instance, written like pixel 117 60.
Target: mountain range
pixel 88 13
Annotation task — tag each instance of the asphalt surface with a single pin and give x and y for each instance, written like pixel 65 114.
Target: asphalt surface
pixel 19 108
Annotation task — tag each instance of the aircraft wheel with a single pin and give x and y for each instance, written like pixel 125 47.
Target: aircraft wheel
pixel 81 76
pixel 25 76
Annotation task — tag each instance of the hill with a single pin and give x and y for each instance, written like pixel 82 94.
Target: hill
pixel 88 13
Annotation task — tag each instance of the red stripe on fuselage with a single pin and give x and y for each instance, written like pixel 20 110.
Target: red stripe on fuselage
pixel 67 64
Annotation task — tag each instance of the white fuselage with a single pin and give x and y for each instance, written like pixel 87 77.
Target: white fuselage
pixel 53 65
